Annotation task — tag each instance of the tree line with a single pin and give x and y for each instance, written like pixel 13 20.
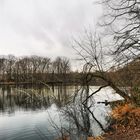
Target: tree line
pixel 24 69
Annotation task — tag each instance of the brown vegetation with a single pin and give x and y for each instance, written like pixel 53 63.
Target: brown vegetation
pixel 125 123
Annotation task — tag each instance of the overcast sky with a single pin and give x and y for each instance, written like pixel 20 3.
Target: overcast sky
pixel 44 27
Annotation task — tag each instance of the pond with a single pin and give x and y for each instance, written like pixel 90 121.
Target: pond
pixel 33 112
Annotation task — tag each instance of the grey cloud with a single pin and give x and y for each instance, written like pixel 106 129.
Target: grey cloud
pixel 43 26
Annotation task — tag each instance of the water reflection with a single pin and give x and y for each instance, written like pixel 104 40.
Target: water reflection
pixel 33 98
pixel 34 112
pixel 31 112
pixel 29 125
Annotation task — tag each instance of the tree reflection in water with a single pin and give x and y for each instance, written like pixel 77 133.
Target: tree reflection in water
pixel 32 98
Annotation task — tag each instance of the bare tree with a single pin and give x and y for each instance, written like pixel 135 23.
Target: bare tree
pixel 98 65
pixel 45 65
pixel 122 19
pixel 2 68
pixel 9 63
pixel 61 65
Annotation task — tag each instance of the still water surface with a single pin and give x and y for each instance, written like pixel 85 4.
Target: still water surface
pixel 30 113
